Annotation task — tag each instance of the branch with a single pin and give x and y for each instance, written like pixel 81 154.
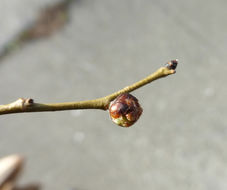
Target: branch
pixel 28 105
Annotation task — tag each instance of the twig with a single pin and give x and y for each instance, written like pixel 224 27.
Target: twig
pixel 28 105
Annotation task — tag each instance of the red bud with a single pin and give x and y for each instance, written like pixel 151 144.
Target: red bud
pixel 125 110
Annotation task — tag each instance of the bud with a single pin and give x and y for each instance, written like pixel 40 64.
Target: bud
pixel 172 64
pixel 10 168
pixel 125 110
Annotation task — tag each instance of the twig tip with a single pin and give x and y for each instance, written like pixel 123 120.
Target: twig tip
pixel 172 65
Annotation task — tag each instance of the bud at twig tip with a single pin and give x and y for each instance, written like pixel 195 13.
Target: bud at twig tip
pixel 172 65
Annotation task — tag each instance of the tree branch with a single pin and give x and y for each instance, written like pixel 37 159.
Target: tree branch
pixel 28 105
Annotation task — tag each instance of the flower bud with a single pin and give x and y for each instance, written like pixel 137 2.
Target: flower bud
pixel 125 110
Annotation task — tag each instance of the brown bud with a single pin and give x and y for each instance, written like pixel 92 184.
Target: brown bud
pixel 125 110
pixel 172 64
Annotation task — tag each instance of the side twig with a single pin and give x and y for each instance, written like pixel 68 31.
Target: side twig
pixel 28 105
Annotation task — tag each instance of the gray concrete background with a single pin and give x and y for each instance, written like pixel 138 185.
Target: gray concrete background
pixel 179 142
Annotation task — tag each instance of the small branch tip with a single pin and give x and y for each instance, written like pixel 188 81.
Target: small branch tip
pixel 172 65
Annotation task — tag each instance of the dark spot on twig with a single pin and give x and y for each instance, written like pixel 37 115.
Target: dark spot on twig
pixel 172 64
pixel 29 101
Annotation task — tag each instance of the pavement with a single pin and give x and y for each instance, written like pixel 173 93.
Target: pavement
pixel 179 141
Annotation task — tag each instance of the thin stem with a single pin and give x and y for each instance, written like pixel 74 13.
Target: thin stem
pixel 28 105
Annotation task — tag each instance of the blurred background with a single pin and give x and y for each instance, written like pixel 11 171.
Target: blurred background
pixel 93 48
